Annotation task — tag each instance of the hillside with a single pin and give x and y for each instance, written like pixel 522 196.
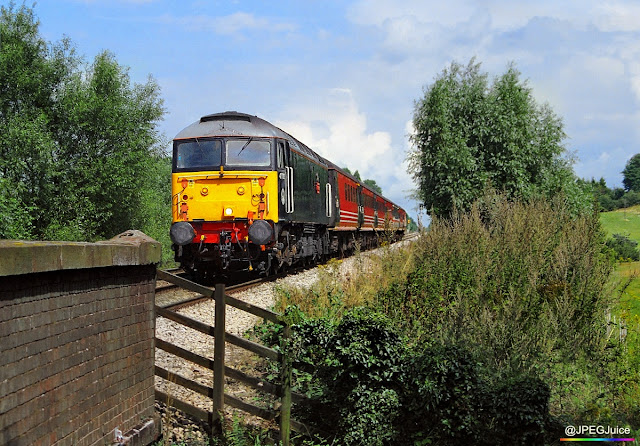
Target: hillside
pixel 623 221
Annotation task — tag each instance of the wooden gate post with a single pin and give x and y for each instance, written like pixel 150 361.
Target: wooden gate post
pixel 218 351
pixel 285 402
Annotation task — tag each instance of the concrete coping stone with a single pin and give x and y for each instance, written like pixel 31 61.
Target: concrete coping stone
pixel 127 249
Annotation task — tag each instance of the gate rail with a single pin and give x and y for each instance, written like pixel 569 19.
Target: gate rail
pixel 217 365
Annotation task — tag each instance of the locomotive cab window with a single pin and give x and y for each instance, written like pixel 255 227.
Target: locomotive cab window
pixel 248 152
pixel 198 154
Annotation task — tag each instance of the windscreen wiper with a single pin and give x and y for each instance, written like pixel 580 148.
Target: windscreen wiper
pixel 245 146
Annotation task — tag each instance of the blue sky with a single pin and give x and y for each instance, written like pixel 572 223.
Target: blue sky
pixel 342 76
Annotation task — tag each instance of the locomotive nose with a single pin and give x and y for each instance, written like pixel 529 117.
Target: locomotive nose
pixel 182 233
pixel 260 232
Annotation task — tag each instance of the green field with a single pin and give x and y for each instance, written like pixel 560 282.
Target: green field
pixel 626 277
pixel 623 221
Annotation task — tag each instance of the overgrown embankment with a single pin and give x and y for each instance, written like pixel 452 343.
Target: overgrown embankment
pixel 494 328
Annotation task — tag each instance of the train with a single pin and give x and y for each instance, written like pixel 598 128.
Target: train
pixel 247 196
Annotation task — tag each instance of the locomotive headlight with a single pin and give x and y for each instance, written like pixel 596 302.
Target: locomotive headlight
pixel 228 212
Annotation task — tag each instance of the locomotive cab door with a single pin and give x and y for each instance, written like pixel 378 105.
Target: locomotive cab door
pixel 285 177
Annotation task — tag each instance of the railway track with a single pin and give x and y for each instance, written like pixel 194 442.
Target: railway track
pixel 189 298
pixel 164 299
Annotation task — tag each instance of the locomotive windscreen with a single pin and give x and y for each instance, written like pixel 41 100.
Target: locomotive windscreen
pixel 248 152
pixel 198 155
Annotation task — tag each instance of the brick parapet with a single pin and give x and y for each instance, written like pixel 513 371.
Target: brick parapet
pixel 77 350
pixel 127 249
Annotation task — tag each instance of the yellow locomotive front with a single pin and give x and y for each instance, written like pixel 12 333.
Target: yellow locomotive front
pixel 225 198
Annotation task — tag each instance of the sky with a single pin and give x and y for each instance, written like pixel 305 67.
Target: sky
pixel 343 76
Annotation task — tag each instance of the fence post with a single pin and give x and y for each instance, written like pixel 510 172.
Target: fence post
pixel 285 402
pixel 218 351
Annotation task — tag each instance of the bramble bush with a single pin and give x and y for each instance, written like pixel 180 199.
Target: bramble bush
pixel 369 386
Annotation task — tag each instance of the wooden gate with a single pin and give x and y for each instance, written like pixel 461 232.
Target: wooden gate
pixel 217 365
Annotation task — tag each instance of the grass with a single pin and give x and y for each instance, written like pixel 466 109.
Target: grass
pixel 626 277
pixel 623 221
pixel 340 288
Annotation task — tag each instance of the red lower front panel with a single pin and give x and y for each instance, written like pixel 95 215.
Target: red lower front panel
pixel 211 231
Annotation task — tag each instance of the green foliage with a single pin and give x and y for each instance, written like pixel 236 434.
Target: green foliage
pixel 76 145
pixel 499 334
pixel 15 219
pixel 625 249
pixel 631 173
pixel 241 435
pixel 371 184
pixel 154 215
pixel 470 135
pixel 622 221
pixel 372 388
pixel 412 224
pixel 107 140
pixel 522 279
pixel 611 199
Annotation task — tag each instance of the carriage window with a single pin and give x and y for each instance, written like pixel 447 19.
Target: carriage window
pixel 198 154
pixel 248 152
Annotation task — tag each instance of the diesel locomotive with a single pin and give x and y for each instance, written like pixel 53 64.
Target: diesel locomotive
pixel 248 196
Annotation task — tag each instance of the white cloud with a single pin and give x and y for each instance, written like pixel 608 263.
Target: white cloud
pixel 618 16
pixel 367 12
pixel 233 24
pixel 336 129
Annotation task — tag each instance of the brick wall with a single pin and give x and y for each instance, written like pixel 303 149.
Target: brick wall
pixel 76 340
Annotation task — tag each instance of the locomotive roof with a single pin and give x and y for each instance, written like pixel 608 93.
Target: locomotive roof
pixel 233 123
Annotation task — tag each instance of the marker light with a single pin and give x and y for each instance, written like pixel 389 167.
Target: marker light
pixel 240 190
pixel 204 191
pixel 228 211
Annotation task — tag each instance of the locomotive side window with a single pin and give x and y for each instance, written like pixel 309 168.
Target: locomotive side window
pixel 198 154
pixel 248 152
pixel 280 155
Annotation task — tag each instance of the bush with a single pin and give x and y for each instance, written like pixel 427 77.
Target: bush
pixel 370 387
pixel 624 248
pixel 521 280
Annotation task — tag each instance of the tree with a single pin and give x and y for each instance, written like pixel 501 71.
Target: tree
pixel 75 145
pixel 631 173
pixel 369 183
pixel 470 135
pixel 107 135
